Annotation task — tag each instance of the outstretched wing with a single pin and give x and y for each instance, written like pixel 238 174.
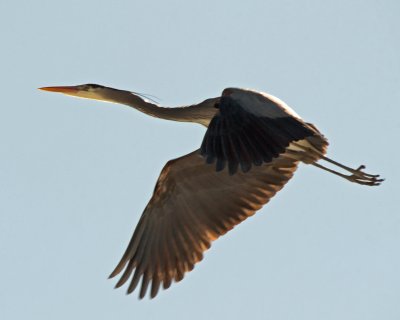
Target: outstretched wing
pixel 193 205
pixel 250 128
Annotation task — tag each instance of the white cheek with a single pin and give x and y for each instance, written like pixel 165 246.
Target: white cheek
pixel 89 95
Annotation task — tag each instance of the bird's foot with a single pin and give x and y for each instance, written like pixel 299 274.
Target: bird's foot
pixel 360 177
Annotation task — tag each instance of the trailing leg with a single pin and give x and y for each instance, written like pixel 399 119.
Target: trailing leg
pixel 356 177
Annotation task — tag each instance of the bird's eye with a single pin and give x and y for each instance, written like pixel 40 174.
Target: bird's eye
pixel 216 105
pixel 91 86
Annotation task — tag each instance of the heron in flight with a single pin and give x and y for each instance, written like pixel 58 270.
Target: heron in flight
pixel 252 147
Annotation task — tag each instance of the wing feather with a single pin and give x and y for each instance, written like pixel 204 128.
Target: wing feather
pixel 193 205
pixel 250 128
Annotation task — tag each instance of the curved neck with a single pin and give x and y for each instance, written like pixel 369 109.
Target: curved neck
pixel 201 113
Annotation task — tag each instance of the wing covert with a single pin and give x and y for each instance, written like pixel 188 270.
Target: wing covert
pixel 250 129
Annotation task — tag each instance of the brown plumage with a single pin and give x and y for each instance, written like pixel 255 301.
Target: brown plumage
pixel 192 206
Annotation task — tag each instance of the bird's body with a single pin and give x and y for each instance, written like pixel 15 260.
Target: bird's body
pixel 252 147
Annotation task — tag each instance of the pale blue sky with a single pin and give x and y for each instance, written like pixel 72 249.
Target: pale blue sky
pixel 76 174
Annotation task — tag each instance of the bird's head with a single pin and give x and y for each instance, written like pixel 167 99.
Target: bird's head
pixel 102 93
pixel 87 91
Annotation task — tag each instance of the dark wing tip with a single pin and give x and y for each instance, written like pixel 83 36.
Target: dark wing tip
pixel 117 270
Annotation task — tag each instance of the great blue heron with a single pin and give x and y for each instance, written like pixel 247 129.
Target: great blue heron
pixel 256 142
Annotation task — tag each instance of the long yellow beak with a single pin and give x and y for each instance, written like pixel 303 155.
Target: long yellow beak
pixel 65 89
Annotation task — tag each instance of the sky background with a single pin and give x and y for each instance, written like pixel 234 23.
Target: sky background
pixel 76 174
